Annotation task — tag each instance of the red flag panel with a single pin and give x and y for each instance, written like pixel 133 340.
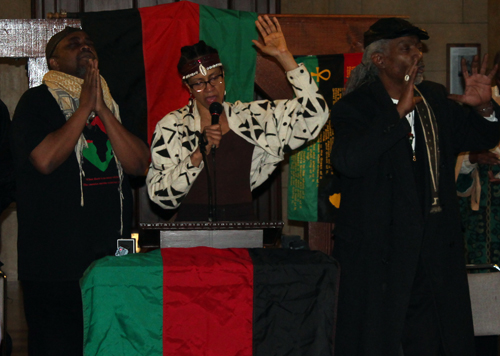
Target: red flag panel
pixel 207 302
pixel 165 29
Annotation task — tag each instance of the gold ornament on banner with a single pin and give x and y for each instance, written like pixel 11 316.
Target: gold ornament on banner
pixel 321 75
pixel 335 200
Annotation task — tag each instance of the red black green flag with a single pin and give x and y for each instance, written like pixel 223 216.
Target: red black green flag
pixel 139 49
pixel 213 302
pixel 313 188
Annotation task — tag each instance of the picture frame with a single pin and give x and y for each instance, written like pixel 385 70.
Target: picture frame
pixel 454 54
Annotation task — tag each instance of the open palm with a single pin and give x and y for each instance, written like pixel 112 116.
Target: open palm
pixel 477 85
pixel 274 40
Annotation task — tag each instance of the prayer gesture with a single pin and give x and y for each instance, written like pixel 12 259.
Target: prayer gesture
pixel 274 42
pixel 477 92
pixel 91 89
pixel 87 96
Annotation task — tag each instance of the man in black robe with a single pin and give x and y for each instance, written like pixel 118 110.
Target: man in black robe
pixel 403 288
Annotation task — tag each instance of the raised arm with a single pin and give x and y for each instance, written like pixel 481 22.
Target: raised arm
pixel 274 42
pixel 477 92
pixel 58 145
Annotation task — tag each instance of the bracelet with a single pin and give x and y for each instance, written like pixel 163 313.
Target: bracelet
pixel 486 110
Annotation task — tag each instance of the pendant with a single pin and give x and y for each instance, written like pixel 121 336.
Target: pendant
pixel 202 69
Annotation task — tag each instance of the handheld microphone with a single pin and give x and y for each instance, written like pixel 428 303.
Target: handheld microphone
pixel 215 110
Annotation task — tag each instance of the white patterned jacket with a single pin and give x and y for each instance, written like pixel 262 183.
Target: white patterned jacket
pixel 274 127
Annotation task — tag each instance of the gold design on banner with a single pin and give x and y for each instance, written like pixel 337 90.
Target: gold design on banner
pixel 321 75
pixel 348 71
pixel 335 200
pixel 337 94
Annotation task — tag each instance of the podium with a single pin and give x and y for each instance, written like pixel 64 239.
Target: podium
pixel 220 234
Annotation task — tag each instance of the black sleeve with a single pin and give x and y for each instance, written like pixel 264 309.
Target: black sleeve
pixel 477 133
pixel 37 115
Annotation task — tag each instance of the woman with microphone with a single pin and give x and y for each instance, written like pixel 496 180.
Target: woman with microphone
pixel 249 139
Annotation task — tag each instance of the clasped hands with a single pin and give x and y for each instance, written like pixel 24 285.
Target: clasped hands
pixel 91 97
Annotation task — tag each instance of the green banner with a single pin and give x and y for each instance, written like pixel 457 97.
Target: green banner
pixel 313 189
pixel 231 33
pixel 304 172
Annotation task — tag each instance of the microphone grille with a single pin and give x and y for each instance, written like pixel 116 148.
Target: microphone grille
pixel 215 108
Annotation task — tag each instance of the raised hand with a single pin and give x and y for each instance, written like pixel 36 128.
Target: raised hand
pixel 274 42
pixel 408 100
pixel 477 90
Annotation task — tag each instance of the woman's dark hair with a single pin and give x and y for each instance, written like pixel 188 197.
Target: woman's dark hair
pixel 197 50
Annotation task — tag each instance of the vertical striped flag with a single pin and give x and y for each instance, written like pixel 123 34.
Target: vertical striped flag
pixel 211 302
pixel 139 50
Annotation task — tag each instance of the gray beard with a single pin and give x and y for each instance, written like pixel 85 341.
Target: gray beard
pixel 419 78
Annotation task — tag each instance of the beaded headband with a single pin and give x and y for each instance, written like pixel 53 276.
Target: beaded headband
pixel 200 65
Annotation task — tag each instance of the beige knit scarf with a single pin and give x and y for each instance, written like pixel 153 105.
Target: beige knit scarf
pixel 66 89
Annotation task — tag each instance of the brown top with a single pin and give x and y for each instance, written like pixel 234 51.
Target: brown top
pixel 233 159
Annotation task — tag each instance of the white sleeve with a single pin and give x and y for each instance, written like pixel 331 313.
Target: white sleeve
pixel 277 127
pixel 171 173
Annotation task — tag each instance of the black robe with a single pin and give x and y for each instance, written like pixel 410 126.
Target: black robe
pixel 384 229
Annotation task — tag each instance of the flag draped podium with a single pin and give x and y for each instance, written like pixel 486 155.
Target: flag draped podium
pixel 313 188
pixel 214 302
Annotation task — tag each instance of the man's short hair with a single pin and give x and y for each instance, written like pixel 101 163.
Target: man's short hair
pixel 390 28
pixel 58 37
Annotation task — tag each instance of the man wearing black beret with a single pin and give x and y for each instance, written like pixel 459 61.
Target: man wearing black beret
pixel 398 239
pixel 72 156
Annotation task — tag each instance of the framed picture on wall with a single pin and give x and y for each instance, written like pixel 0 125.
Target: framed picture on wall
pixel 454 54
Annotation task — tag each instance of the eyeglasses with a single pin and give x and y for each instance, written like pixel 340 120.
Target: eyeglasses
pixel 199 86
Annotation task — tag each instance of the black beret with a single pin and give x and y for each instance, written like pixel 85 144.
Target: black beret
pixel 58 37
pixel 390 28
